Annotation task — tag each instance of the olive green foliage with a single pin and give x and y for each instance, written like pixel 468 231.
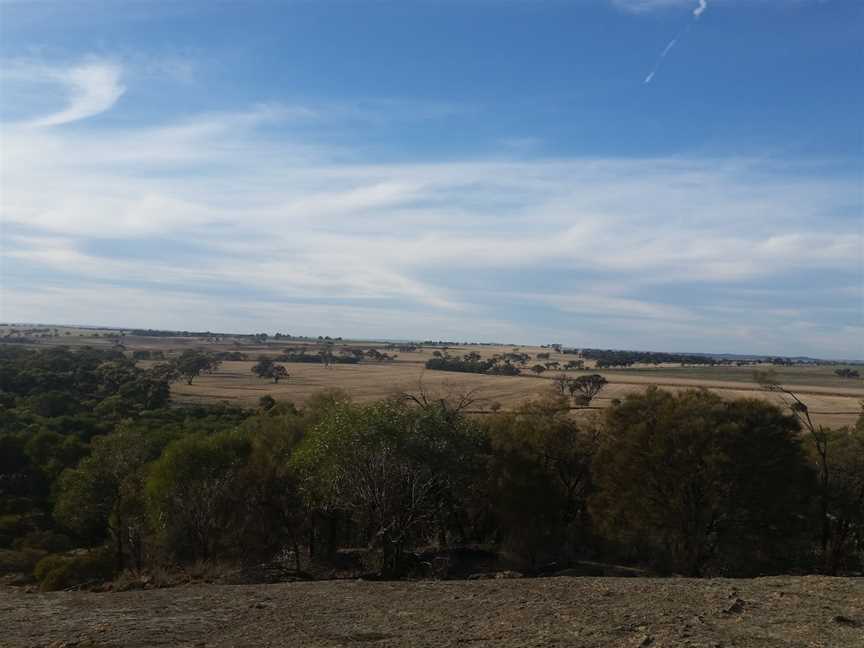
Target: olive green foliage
pixel 540 474
pixel 77 429
pixel 266 368
pixel 845 497
pixel 56 572
pixel 192 363
pixel 228 495
pixel 192 491
pixel 101 498
pixel 703 484
pixel 98 474
pixel 838 459
pixel 20 562
pixel 392 467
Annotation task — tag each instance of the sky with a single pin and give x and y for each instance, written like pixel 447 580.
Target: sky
pixel 668 175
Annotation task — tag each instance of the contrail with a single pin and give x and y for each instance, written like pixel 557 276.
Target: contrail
pixel 698 11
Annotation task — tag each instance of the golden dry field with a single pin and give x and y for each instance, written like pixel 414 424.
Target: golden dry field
pixel 234 382
pixel 833 401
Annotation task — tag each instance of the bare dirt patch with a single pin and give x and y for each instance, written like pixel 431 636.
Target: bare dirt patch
pixel 585 612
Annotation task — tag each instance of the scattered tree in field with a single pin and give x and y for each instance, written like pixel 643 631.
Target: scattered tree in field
pixel 192 363
pixel 517 358
pixel 584 389
pixel 561 383
pixel 278 372
pixel 452 401
pixel 326 356
pixel 538 369
pixel 264 367
pixel 845 372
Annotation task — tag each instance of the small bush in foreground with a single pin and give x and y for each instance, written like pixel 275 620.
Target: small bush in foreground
pixel 56 572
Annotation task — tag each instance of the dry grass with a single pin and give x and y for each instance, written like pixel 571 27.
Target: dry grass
pixel 234 382
pixel 832 400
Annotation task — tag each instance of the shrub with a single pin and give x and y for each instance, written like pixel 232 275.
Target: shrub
pixel 56 571
pixel 11 526
pixel 14 562
pixel 706 486
pixel 49 541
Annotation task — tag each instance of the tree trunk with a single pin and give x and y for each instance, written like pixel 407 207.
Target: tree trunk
pixel 118 548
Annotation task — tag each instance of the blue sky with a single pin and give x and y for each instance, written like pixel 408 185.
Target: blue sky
pixel 648 174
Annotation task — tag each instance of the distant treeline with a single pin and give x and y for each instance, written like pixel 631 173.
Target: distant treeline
pixel 612 358
pixel 99 474
pixel 453 343
pixel 490 366
pixel 316 358
pixel 158 333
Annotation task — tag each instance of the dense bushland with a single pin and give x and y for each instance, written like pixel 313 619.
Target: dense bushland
pixel 473 363
pixel 99 474
pixel 614 358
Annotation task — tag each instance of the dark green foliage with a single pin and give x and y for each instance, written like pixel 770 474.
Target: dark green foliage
pixel 540 477
pixel 92 456
pixel 610 358
pixel 19 561
pixel 263 367
pixel 705 485
pixel 315 358
pixel 192 363
pixel 266 368
pixel 395 470
pixel 266 402
pixel 101 500
pixel 584 389
pixel 472 363
pixel 847 373
pixel 56 572
pixel 192 494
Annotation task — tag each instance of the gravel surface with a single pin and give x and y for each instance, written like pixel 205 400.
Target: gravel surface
pixel 609 612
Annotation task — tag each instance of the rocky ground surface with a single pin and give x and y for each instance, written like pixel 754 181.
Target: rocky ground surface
pixel 607 612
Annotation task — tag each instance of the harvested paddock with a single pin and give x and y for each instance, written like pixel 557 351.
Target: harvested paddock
pixel 833 401
pixel 234 382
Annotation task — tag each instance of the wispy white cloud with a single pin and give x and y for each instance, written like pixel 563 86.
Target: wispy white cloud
pixel 271 213
pixel 644 6
pixel 90 88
